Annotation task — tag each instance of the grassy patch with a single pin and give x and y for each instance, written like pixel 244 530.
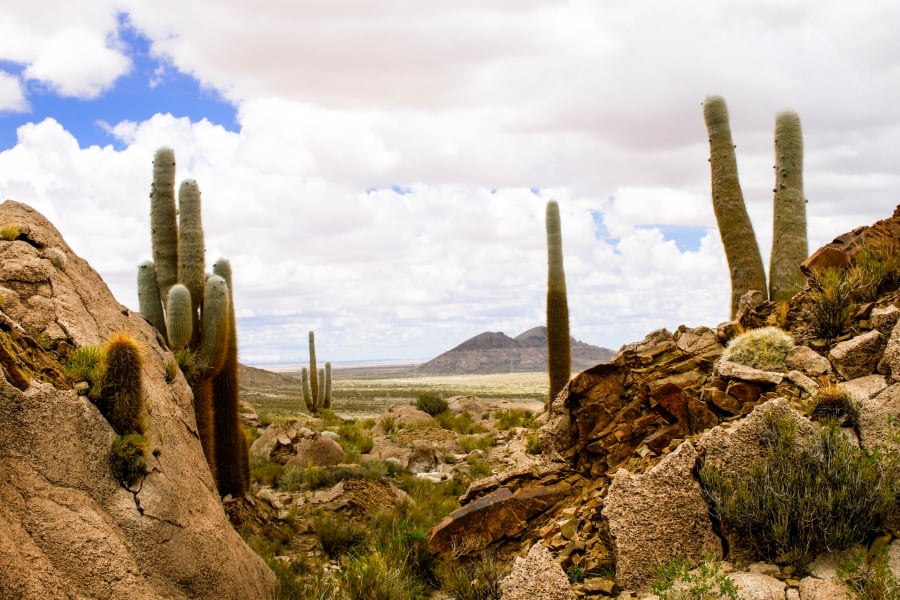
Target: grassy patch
pixel 676 580
pixel 461 423
pixel 507 418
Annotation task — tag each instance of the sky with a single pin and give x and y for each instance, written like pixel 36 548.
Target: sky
pixel 378 172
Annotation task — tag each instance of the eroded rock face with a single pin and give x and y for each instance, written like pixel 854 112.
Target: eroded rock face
pixel 657 517
pixel 536 577
pixel 67 528
pixel 858 356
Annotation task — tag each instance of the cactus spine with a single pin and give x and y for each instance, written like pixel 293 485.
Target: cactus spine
pixel 232 463
pixel 738 238
pixel 122 394
pixel 191 251
pixel 559 346
pixel 789 240
pixel 149 302
pixel 163 224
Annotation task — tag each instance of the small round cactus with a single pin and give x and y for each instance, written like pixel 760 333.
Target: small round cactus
pixel 765 348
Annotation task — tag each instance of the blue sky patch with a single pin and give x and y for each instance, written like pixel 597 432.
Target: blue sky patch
pixel 686 237
pixel 151 86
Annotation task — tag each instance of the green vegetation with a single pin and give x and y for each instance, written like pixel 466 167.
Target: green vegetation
pixel 432 403
pixel 805 498
pixel 678 580
pixel 317 389
pixel 9 232
pixel 127 458
pixel 461 423
pixel 765 348
pixel 832 306
pixel 88 364
pixel 475 577
pixel 869 576
pixel 507 418
pixel 559 342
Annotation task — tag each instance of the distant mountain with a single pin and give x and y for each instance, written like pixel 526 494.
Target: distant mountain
pixel 252 377
pixel 496 352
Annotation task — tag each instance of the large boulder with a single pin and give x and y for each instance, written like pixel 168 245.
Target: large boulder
pixel 68 529
pixel 858 356
pixel 658 517
pixel 536 577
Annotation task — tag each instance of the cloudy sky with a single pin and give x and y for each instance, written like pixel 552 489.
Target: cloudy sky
pixel 378 171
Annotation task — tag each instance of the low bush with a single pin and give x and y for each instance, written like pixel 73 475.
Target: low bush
pixel 475 578
pixel 507 418
pixel 461 423
pixel 677 580
pixel 803 499
pixel 338 536
pixel 765 348
pixel 126 458
pixel 533 443
pixel 869 575
pixel 476 442
pixel 831 305
pixel 431 403
pixel 87 363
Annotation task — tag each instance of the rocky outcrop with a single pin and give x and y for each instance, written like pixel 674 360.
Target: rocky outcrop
pixel 68 529
pixel 536 577
pixel 291 443
pixel 842 250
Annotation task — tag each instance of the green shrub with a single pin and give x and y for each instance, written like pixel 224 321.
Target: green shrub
pixel 461 423
pixel 377 575
pixel 676 580
pixel 10 232
pixel 388 423
pixel 431 403
pixel 575 574
pixel 338 536
pixel 869 575
pixel 126 458
pixel 475 578
pixel 874 270
pixel 476 442
pixel 765 348
pixel 265 472
pixel 803 499
pixel 831 306
pixel 533 443
pixel 507 418
pixel 187 362
pixel 478 469
pixel 88 364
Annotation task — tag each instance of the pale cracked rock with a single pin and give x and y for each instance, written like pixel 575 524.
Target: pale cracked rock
pixel 536 577
pixel 812 588
pixel 884 319
pixel 878 417
pixel 644 534
pixel 890 361
pixel 808 361
pixel 858 356
pixel 732 370
pixel 757 586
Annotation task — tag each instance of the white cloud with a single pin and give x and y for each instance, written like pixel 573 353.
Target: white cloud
pixel 12 98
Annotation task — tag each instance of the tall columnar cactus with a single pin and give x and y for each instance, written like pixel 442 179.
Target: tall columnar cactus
pixel 313 371
pixel 738 238
pixel 179 256
pixel 163 221
pixel 559 348
pixel 326 399
pixel 307 397
pixel 180 322
pixel 789 241
pixel 149 302
pixel 232 461
pixel 191 251
pixel 122 394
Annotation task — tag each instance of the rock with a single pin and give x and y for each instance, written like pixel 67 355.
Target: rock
pixel 879 417
pixel 536 577
pixel 890 361
pixel 599 585
pixel 882 235
pixel 473 405
pixel 803 382
pixel 67 528
pixel 863 388
pixel 757 586
pixel 732 370
pixel 644 536
pixel 884 319
pixel 812 588
pixel 332 435
pixel 858 356
pixel 402 415
pixel 317 451
pixel 247 414
pixel 808 361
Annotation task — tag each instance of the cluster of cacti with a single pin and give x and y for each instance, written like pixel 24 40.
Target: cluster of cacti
pixel 559 345
pixel 789 246
pixel 316 382
pixel 193 311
